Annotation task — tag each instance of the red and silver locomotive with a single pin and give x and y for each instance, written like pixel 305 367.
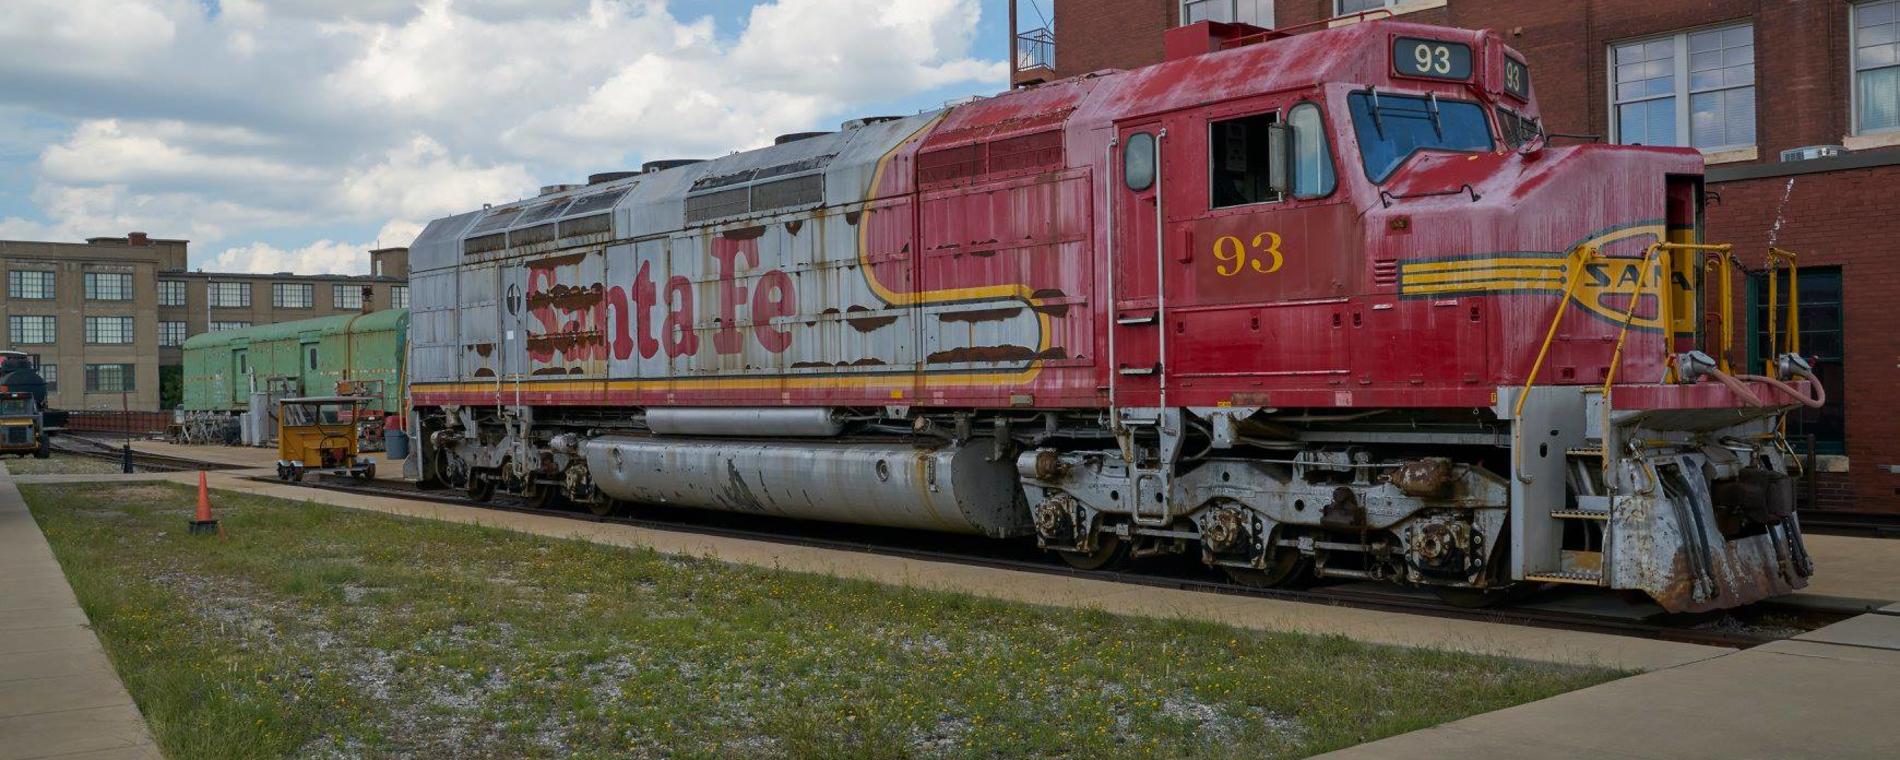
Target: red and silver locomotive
pixel 1302 305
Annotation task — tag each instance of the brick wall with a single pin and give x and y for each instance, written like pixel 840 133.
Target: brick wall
pixel 1843 219
pixel 1110 34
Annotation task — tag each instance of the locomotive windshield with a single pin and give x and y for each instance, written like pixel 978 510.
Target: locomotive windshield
pixel 11 406
pixel 1393 127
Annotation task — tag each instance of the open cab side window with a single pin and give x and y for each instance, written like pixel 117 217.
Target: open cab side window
pixel 1262 158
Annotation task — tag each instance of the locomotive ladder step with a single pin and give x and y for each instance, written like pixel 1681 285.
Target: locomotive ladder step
pixel 1587 452
pixel 1579 514
pixel 1575 578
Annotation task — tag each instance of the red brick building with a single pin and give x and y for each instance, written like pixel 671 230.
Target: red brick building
pixel 1795 104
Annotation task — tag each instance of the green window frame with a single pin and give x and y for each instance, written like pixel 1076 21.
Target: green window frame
pixel 1823 341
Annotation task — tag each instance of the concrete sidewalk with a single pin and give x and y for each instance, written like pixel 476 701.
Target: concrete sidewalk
pixel 1830 693
pixel 59 696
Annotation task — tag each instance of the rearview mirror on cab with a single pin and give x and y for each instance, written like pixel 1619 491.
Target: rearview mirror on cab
pixel 1280 158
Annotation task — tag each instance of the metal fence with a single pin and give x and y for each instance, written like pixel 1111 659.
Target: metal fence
pixel 1036 49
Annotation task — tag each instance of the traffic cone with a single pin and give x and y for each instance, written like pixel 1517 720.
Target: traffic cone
pixel 203 524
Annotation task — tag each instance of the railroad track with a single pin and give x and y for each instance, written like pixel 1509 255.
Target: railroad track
pixel 1024 557
pixel 141 460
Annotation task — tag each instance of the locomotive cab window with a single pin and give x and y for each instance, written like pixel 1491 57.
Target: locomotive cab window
pixel 1240 161
pixel 1138 161
pixel 1392 127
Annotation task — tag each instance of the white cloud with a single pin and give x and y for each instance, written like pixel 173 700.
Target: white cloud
pixel 320 257
pixel 420 180
pixel 275 115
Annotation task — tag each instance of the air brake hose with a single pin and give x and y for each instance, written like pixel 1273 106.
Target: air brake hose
pixel 1815 401
pixel 1741 389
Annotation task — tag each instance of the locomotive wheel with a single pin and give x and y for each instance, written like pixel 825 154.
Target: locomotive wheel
pixel 603 506
pixel 1287 570
pixel 1110 552
pixel 540 495
pixel 480 488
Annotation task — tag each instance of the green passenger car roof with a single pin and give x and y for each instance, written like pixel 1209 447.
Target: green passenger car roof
pixel 389 319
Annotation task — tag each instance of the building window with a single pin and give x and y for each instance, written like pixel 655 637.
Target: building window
pixel 292 295
pixel 108 378
pixel 1256 12
pixel 222 326
pixel 1343 7
pixel 236 295
pixel 108 286
pixel 109 330
pixel 399 296
pixel 347 296
pixel 1821 341
pixel 30 284
pixel 171 292
pixel 171 333
pixel 49 373
pixel 1698 85
pixel 1876 66
pixel 31 330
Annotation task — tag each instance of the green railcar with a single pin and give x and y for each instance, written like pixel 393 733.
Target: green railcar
pixel 308 357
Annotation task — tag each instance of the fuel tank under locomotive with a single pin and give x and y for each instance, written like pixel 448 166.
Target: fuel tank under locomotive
pixel 960 489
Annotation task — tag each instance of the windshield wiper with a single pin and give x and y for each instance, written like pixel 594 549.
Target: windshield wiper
pixel 1377 126
pixel 1431 108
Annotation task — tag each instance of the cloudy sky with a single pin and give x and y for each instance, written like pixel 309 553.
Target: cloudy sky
pixel 295 134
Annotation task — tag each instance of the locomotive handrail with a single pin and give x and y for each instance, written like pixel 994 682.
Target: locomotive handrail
pixel 1665 312
pixel 1776 346
pixel 1724 263
pixel 1580 256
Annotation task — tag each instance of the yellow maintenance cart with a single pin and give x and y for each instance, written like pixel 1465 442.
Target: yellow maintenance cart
pixel 318 434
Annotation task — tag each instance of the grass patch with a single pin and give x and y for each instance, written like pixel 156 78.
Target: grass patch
pixel 316 631
pixel 62 464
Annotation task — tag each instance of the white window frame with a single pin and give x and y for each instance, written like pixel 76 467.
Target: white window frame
pixel 1854 69
pixel 167 286
pixel 225 325
pixel 48 372
pixel 1339 7
pixel 1231 10
pixel 1682 91
pixel 399 296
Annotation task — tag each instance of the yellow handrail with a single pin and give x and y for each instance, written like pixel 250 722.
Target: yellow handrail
pixel 1666 312
pixel 1724 264
pixel 1579 256
pixel 1776 346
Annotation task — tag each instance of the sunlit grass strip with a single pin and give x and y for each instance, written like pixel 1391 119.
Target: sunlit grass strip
pixel 318 631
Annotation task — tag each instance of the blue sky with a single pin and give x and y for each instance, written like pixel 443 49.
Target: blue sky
pixel 291 134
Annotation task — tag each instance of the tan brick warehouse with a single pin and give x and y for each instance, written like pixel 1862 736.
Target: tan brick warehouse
pixel 1803 73
pixel 103 316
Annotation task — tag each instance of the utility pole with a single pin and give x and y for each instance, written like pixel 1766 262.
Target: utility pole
pixel 1012 44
